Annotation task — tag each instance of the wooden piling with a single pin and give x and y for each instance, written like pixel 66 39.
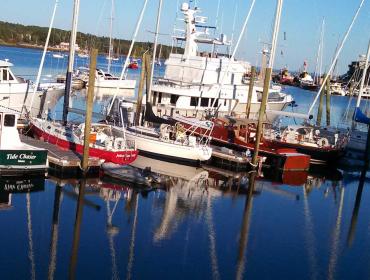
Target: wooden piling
pixel 328 101
pixel 250 91
pixel 148 79
pixel 261 115
pixel 141 89
pixel 319 110
pixel 89 108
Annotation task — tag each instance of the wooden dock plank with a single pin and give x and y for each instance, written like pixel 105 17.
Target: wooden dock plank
pixel 59 156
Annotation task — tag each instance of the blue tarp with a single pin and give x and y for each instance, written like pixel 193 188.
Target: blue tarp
pixel 360 117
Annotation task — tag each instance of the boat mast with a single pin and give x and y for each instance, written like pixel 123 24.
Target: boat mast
pixel 232 34
pixel 267 81
pixel 363 77
pixel 308 115
pixel 138 24
pixel 43 57
pixel 110 37
pixel 317 75
pixel 155 49
pixel 336 57
pixel 71 58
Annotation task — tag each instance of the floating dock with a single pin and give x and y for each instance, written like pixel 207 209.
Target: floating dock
pixel 63 162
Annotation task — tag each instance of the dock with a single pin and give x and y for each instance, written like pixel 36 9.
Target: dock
pixel 63 162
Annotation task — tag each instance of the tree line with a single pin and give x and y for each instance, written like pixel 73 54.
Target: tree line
pixel 18 34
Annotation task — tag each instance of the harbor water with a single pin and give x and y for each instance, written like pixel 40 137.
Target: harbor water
pixel 196 223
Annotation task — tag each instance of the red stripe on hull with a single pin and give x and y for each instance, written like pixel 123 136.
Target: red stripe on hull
pixel 121 157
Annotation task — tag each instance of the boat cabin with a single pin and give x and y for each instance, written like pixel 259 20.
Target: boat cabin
pixel 15 156
pixel 6 75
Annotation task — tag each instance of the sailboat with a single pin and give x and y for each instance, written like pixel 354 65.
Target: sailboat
pixel 323 144
pixel 105 82
pixel 171 141
pixel 103 144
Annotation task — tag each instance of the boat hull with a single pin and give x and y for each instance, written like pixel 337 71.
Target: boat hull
pixel 118 157
pixel 318 155
pixel 171 152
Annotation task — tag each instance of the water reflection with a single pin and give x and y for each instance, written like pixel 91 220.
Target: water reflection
pixel 195 222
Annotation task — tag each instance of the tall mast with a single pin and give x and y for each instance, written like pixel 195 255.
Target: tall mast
pixel 317 75
pixel 71 58
pixel 155 49
pixel 110 37
pixel 363 77
pixel 43 57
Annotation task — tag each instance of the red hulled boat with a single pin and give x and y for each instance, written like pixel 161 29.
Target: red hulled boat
pixel 103 143
pixel 240 134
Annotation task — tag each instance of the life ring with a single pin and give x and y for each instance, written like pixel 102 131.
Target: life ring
pixel 323 142
pixel 119 143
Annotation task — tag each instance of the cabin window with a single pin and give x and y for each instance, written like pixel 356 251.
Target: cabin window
pixel 9 120
pixel 5 75
pixel 159 97
pixel 11 78
pixel 204 102
pixel 173 99
pixel 154 98
pixel 194 101
pixel 225 102
pixel 215 104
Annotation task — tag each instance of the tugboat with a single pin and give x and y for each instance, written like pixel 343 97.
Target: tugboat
pixel 15 156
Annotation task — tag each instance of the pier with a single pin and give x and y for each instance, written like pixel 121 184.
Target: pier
pixel 62 162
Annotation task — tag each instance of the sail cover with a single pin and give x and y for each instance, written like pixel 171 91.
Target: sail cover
pixel 360 117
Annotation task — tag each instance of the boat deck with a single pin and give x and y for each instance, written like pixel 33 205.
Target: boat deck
pixel 63 162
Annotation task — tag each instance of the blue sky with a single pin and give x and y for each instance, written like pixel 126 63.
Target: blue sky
pixel 301 22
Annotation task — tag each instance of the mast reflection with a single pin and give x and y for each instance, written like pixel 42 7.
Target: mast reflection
pixel 244 232
pixel 54 232
pixel 77 230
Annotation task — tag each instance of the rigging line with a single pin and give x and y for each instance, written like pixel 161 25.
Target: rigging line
pixel 138 24
pixel 234 51
pixel 43 55
pixel 336 56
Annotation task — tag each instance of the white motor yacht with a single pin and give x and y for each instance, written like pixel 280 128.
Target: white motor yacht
pixel 16 93
pixel 107 84
pixel 196 84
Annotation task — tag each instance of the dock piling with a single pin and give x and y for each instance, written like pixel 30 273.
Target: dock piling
pixel 89 107
pixel 250 91
pixel 141 89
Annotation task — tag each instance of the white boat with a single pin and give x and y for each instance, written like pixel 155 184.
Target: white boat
pixel 16 93
pixel 16 156
pixel 84 55
pixel 58 55
pixel 337 89
pixel 107 84
pixel 195 84
pixel 173 143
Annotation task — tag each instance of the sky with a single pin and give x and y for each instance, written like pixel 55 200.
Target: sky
pixel 301 23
